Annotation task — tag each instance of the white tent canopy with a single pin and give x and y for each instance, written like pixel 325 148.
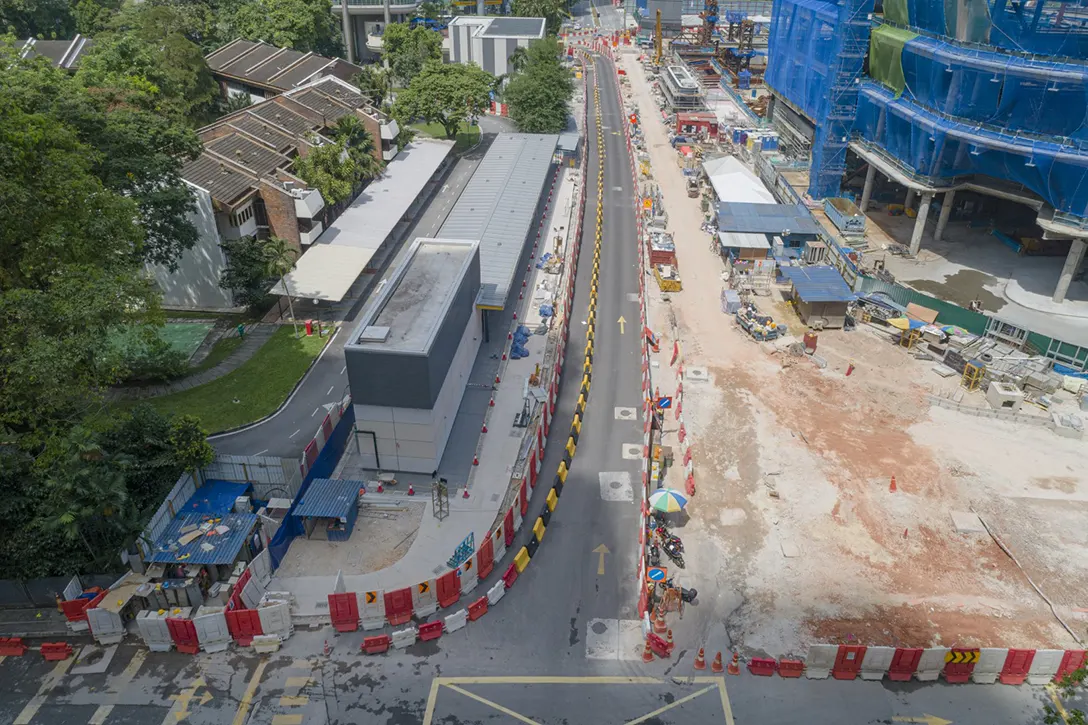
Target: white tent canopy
pixel 325 272
pixel 735 182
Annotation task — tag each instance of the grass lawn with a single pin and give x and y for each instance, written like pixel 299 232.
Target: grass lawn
pixel 220 351
pixel 185 337
pixel 259 386
pixel 467 136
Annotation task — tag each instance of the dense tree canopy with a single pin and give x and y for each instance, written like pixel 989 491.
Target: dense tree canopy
pixel 307 25
pixel 540 90
pixel 446 94
pixel 408 49
pixel 553 11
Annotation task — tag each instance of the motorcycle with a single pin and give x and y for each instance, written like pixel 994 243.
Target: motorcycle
pixel 667 536
pixel 673 552
pixel 686 595
pixel 655 555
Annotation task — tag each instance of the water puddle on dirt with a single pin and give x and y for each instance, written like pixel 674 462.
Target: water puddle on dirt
pixel 961 288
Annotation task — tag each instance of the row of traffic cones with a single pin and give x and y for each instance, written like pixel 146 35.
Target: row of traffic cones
pixel 732 668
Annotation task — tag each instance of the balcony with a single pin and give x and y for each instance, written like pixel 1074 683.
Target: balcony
pixel 311 236
pixel 390 153
pixel 375 7
pixel 390 130
pixel 308 203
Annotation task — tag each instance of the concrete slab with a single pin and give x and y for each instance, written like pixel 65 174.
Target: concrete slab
pixel 93 660
pixel 616 486
pixel 632 451
pixel 626 414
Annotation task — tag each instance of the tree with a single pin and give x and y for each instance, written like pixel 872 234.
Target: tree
pixel 305 25
pixel 48 19
pixel 352 135
pixel 373 82
pixel 246 275
pixel 329 169
pixel 189 441
pixel 1067 686
pixel 447 95
pixel 236 102
pixel 408 50
pixel 551 10
pixel 539 93
pixel 281 260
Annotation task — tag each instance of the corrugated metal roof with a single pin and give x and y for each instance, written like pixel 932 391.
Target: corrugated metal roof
pixel 319 103
pixel 225 546
pixel 818 284
pixel 568 141
pixel 264 131
pixel 742 240
pixel 223 181
pixel 376 211
pixel 277 114
pixel 328 498
pixel 498 205
pixel 301 71
pixel 281 60
pixel 507 27
pixel 252 55
pixel 229 53
pixel 766 218
pixel 246 152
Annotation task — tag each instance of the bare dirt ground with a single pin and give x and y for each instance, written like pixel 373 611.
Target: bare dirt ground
pixel 793 527
pixel 381 537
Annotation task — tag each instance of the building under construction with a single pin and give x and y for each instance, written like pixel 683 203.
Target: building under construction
pixel 971 103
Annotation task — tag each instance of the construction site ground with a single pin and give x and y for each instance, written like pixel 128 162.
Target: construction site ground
pixel 793 537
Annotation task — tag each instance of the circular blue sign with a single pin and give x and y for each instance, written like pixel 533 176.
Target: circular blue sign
pixel 655 574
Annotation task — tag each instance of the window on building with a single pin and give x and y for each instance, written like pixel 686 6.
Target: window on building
pixel 240 217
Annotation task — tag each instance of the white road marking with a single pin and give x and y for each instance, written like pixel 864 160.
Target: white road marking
pixel 315 411
pixel 330 390
pixel 345 368
pixel 295 433
pixel 119 686
pixel 616 486
pixel 51 680
pixel 614 639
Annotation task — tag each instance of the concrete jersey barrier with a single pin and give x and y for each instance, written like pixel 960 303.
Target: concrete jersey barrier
pixel 820 660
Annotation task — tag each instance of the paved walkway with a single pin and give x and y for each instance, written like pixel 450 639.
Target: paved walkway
pixel 256 336
pixel 498 450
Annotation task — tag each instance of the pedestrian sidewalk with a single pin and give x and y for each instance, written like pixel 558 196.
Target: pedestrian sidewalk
pixel 498 451
pixel 255 337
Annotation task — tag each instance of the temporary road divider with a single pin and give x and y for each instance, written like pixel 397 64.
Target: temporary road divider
pixel 344 612
pixel 1017 666
pixel 424 599
pixel 545 517
pixel 538 530
pixel 510 575
pixel 1072 661
pixel 572 446
pixel 448 588
pixel 790 668
pixel 876 662
pixel 496 592
pixel 523 499
pixel 903 665
pixel 12 647
pixel 54 651
pixel 276 619
pixel 183 632
pixel 404 637
pixel 762 666
pixel 267 643
pixel 561 474
pixel 557 486
pixel 478 608
pixel 243 624
pixel 931 664
pixel 531 547
pixel 430 630
pixel 960 665
pixel 377 645
pixel 211 631
pixel 820 660
pixel 991 661
pixel 521 560
pixel 551 500
pixel 508 527
pixel 485 559
pixel 371 607
pixel 499 542
pixel 467 576
pixel 457 620
pixel 398 606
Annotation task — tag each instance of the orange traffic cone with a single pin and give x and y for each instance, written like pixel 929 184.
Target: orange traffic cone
pixel 668 639
pixel 381 489
pixel 647 654
pixel 892 488
pixel 659 622
pixel 716 665
pixel 700 660
pixel 734 666
pixel 411 490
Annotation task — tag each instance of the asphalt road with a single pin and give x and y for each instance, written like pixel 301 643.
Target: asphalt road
pixel 557 650
pixel 286 434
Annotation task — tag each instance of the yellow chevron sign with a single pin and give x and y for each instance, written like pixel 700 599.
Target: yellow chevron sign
pixel 964 657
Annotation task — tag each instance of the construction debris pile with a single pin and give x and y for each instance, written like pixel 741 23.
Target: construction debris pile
pixel 761 327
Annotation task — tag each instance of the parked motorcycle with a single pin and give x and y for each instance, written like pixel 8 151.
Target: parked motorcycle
pixel 686 595
pixel 655 555
pixel 667 536
pixel 673 552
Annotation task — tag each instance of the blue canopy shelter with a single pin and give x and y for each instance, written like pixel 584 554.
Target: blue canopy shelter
pixel 329 509
pixel 820 295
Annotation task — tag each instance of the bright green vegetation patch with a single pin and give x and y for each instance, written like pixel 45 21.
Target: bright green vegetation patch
pixel 252 391
pixel 220 351
pixel 467 136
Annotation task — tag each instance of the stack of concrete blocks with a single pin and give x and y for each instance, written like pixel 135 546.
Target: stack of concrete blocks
pixel 153 630
pixel 211 629
pixel 1004 396
pixel 106 626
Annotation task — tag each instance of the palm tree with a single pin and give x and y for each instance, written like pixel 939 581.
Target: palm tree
pixel 281 260
pixel 353 136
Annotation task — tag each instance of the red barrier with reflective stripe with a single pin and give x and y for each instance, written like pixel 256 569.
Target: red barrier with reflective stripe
pixel 53 651
pixel 643 601
pixel 344 611
pixel 790 668
pixel 762 666
pixel 1072 661
pixel 958 672
pixel 532 468
pixel 183 632
pixel 398 606
pixel 244 625
pixel 485 558
pixel 1017 664
pixel 326 426
pixel 524 498
pixel 75 610
pixel 904 663
pixel 310 453
pixel 508 527
pixel 848 662
pixel 448 589
pixel 510 576
pixel 376 645
pixel 431 630
pixel 477 609
pixel 12 647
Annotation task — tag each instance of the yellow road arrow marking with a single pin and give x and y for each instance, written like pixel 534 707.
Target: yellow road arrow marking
pixel 601 551
pixel 622 323
pixel 925 720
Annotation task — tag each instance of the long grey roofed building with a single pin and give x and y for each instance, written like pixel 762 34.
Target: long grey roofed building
pixel 515 27
pixel 498 207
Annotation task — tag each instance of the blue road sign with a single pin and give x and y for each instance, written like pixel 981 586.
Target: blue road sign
pixel 656 574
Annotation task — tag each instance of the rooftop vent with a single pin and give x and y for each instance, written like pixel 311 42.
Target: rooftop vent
pixel 374 333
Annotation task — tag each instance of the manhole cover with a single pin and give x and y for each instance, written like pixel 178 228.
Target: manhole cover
pixel 625 414
pixel 599 627
pixel 615 484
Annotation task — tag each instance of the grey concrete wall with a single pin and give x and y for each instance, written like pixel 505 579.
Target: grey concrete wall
pixel 195 284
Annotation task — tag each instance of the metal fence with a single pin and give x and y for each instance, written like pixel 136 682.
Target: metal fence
pixel 183 490
pixel 270 477
pixel 22 593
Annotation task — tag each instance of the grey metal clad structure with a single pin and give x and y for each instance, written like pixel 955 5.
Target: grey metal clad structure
pixel 399 353
pixel 516 27
pixel 754 218
pixel 328 498
pixel 498 207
